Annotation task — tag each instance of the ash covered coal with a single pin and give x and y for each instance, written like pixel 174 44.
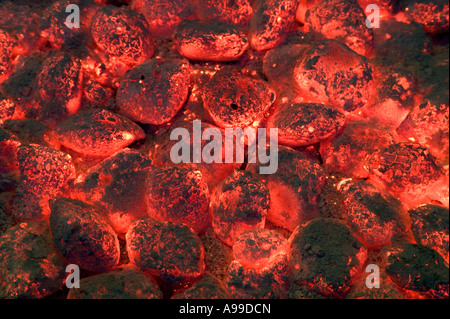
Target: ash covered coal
pixel 89 119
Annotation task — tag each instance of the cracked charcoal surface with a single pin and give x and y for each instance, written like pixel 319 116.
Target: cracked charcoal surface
pixel 294 189
pixel 429 224
pixel 154 91
pixel 239 204
pixel 341 20
pixel 44 173
pixel 117 284
pixel 6 47
pixel 167 250
pixel 350 152
pixel 330 72
pixel 58 88
pixel 270 282
pixel 31 266
pixel 387 7
pixel 209 41
pixel 306 123
pixel 83 235
pixel 270 22
pixel 418 268
pixel 95 92
pixel 260 268
pixel 433 15
pixel 97 132
pixel 180 196
pixel 117 183
pixel 53 28
pixel 408 170
pixel 162 15
pixel 235 100
pixel 7 108
pixel 373 217
pixel 234 12
pixel 213 173
pixel 122 33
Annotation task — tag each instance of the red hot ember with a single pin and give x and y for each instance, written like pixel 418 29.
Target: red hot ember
pixel 394 98
pixel 167 250
pixel 351 151
pixel 428 124
pixel 7 108
pixel 59 88
pixel 9 145
pixel 303 124
pixel 83 235
pixel 234 12
pixel 97 132
pixel 256 248
pixel 260 269
pixel 294 189
pixel 153 92
pixel 429 224
pixel 373 217
pixel 209 41
pixel 6 46
pixel 162 15
pixel 118 183
pixel 123 34
pixel 410 172
pixel 271 20
pixel 341 20
pixel 235 100
pixel 45 173
pixel 239 204
pixel 178 195
pixel 330 72
pixel 433 15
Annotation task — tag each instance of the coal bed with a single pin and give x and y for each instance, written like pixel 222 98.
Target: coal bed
pixel 224 149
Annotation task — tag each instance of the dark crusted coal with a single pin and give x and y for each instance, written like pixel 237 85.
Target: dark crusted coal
pixel 418 268
pixel 177 260
pixel 325 257
pixel 31 266
pixel 430 227
pixel 83 235
pixel 117 284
